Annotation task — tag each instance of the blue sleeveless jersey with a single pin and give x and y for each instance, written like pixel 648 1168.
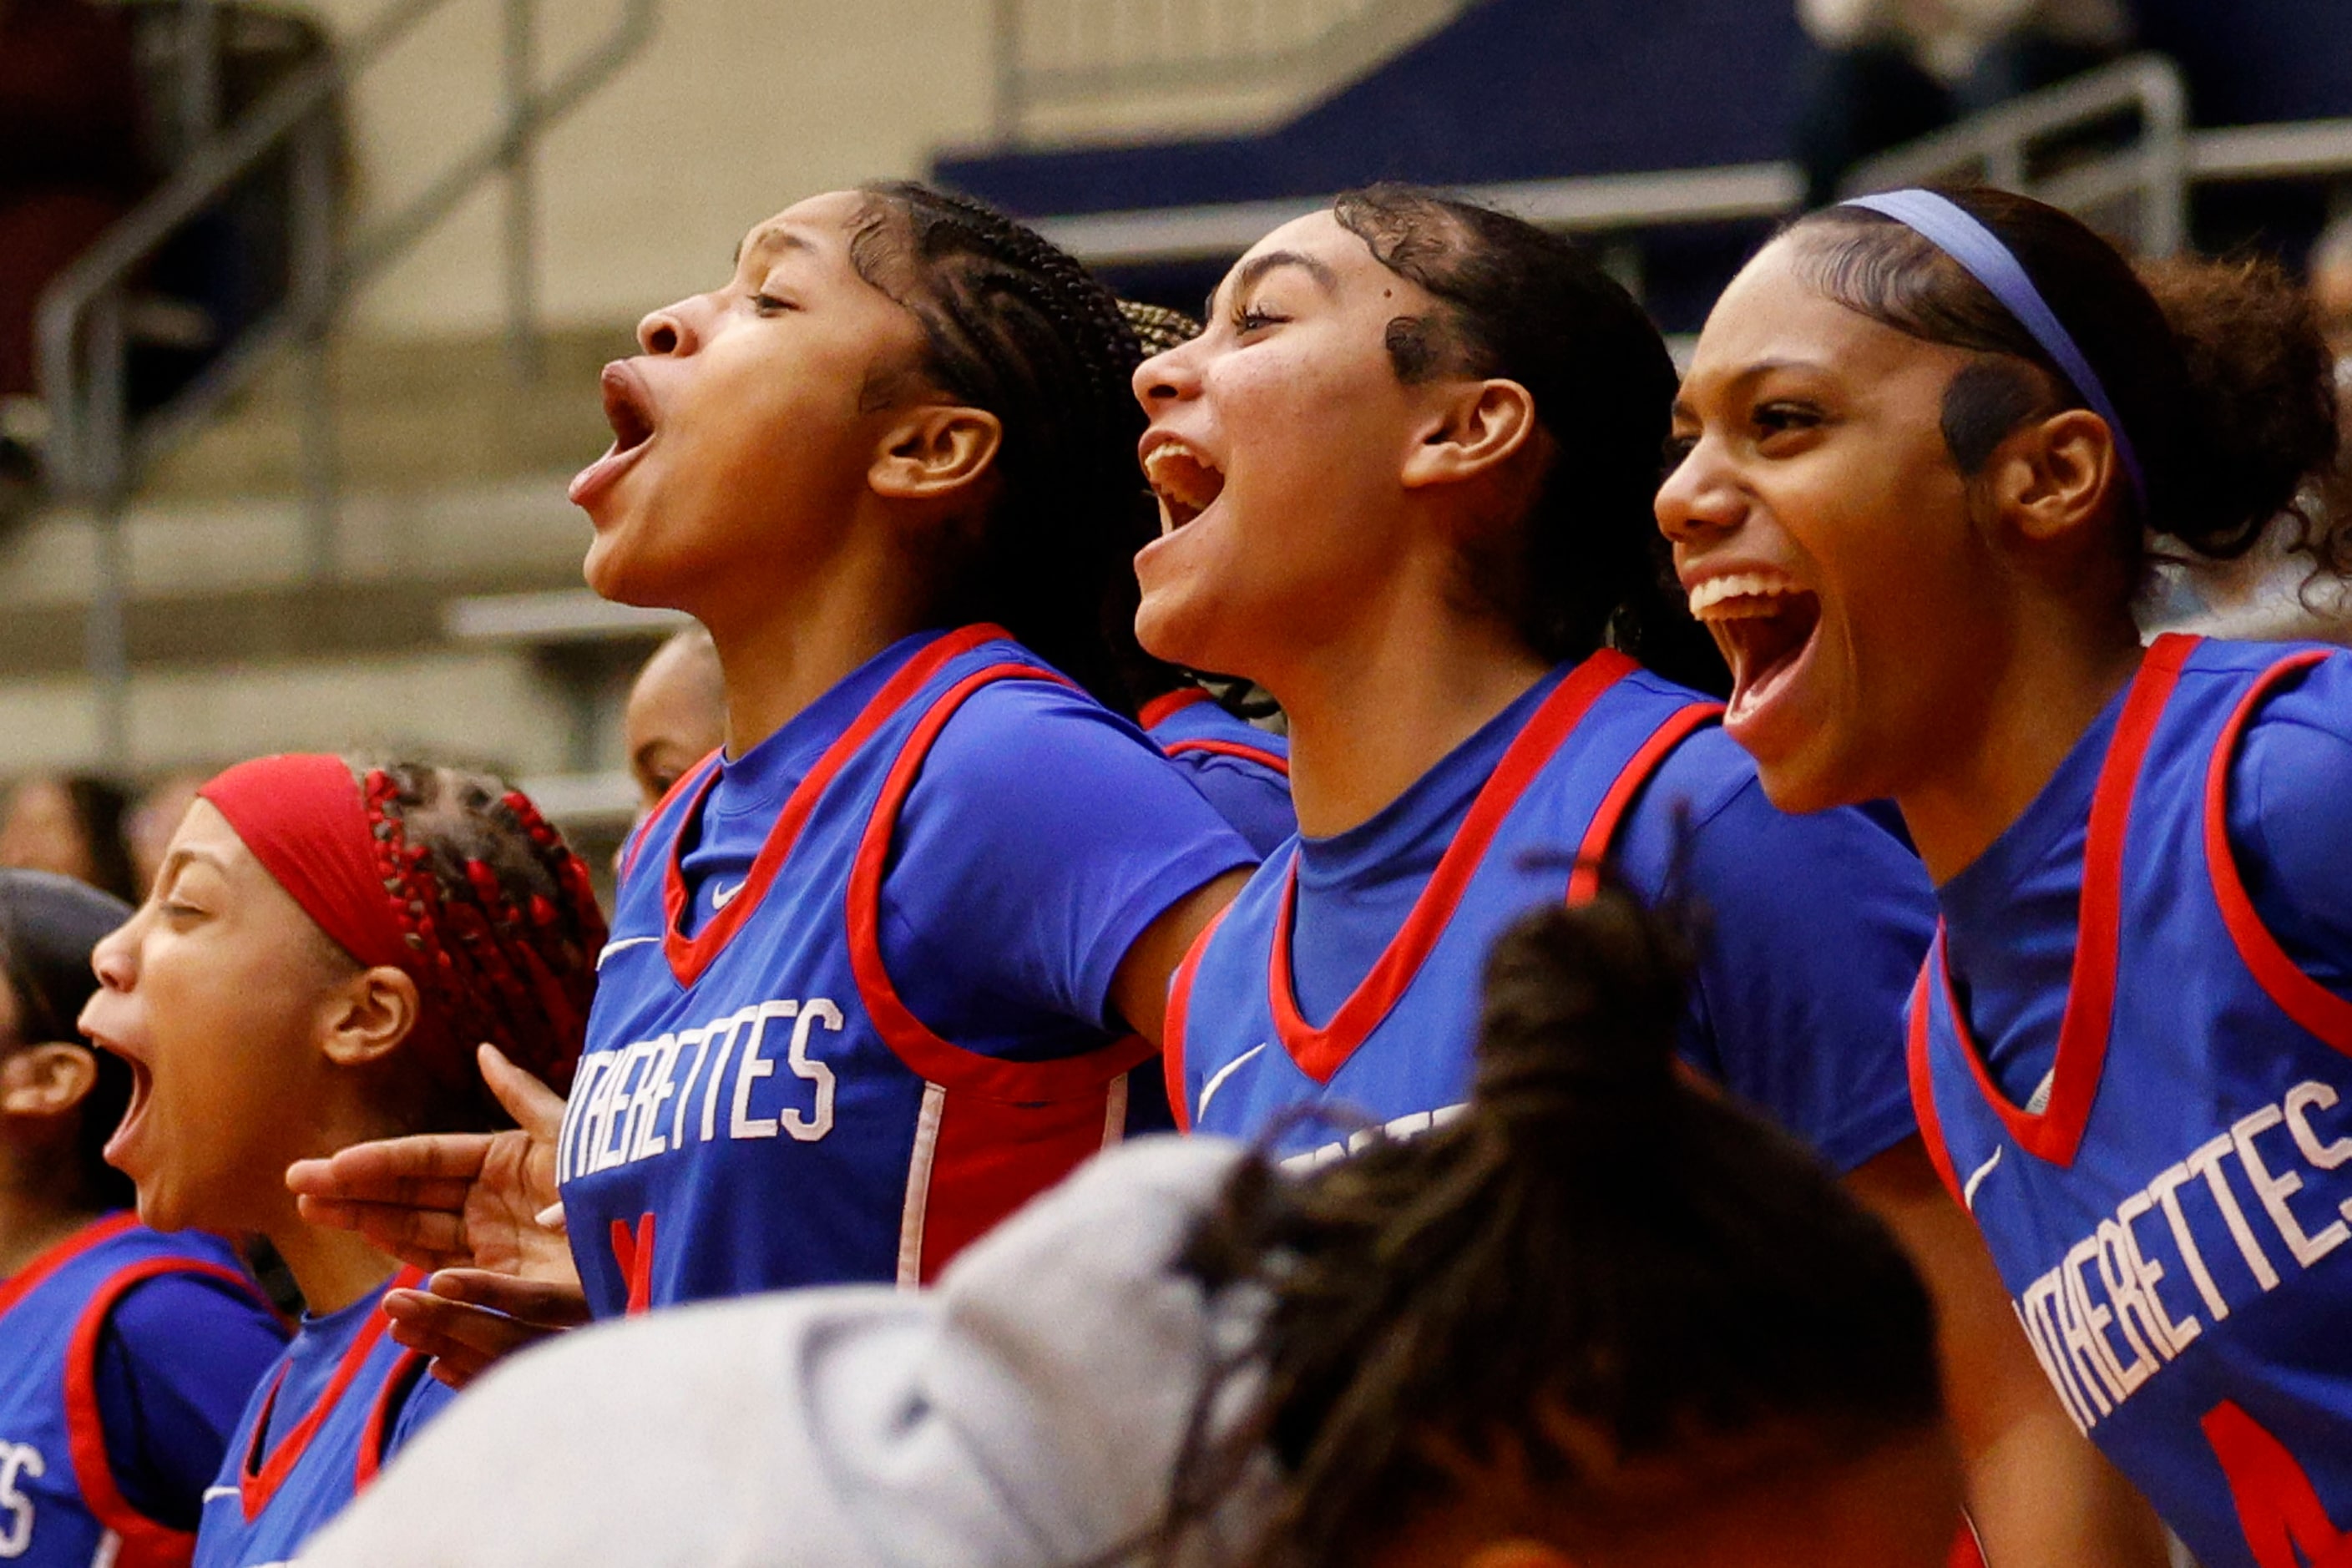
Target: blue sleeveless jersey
pixel 1397 1051
pixel 758 1107
pixel 297 1461
pixel 59 1503
pixel 2170 1222
pixel 1245 770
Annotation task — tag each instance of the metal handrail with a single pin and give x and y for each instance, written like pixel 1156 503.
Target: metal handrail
pixel 1994 146
pixel 94 452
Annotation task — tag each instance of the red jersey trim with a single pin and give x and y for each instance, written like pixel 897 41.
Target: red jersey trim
pixel 690 955
pixel 21 1284
pixel 412 1365
pixel 1167 705
pixel 1242 748
pixel 1179 1009
pixel 1585 880
pixel 259 1476
pixel 928 1055
pixel 2317 1010
pixel 1919 1061
pixel 2053 1134
pixel 146 1542
pixel 1321 1052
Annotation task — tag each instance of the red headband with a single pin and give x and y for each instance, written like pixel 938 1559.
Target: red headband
pixel 305 820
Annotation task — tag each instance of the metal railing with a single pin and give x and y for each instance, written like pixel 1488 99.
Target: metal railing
pixel 2000 147
pixel 95 451
pixel 1051 51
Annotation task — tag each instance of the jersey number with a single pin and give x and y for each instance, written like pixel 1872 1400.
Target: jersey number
pixel 17 1459
pixel 2278 1509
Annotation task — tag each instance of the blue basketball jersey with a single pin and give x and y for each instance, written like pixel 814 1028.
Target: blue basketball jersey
pixel 60 1502
pixel 317 1430
pixel 1396 1053
pixel 759 1107
pixel 1245 770
pixel 2169 1217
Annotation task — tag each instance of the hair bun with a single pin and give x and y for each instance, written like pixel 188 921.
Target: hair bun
pixel 1582 1009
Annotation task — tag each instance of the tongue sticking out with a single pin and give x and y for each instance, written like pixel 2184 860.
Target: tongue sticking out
pixel 1186 483
pixel 628 413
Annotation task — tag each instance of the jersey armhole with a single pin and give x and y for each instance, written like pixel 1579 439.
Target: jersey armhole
pixel 399 1383
pixel 2319 1011
pixel 1919 1065
pixel 145 1542
pixel 1180 1011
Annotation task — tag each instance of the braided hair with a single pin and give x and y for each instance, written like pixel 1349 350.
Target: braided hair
pixel 502 916
pixel 1017 327
pixel 1596 1259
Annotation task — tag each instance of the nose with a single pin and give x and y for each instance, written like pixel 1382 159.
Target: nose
pixel 1166 377
pixel 115 959
pixel 673 329
pixel 1701 496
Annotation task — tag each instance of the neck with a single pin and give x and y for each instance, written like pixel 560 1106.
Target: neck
pixel 2059 673
pixel 1374 708
pixel 31 1221
pixel 333 1267
pixel 835 617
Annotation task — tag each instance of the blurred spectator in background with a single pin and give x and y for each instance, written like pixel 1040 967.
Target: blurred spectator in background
pixel 71 163
pixel 1887 71
pixel 677 714
pixel 71 823
pixel 147 833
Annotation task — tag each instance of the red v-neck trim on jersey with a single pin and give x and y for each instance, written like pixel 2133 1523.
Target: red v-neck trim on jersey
pixel 22 1283
pixel 2054 1133
pixel 1321 1052
pixel 258 1483
pixel 689 956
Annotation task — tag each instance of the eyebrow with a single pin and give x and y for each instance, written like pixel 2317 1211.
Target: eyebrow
pixel 774 237
pixel 1257 267
pixel 1748 376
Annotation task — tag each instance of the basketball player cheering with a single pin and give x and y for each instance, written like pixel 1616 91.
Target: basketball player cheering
pixel 1923 438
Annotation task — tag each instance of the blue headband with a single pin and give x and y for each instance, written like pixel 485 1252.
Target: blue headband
pixel 1984 258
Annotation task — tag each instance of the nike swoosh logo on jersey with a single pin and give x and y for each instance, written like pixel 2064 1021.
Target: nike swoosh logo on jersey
pixel 1208 1090
pixel 213 1494
pixel 1976 1180
pixel 611 948
pixel 722 897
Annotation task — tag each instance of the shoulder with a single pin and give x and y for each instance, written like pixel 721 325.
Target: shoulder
pixel 1018 747
pixel 177 1314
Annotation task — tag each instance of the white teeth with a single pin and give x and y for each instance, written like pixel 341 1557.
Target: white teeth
pixel 1738 594
pixel 1181 475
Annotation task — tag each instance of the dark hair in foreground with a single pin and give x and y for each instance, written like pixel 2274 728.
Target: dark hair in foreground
pixel 1017 327
pixel 1587 565
pixel 48 927
pixel 2216 368
pixel 1596 1247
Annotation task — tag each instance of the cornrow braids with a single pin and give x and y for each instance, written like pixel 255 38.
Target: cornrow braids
pixel 501 915
pixel 1017 327
pixel 1434 1304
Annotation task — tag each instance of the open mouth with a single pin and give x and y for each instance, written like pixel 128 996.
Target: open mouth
pixel 1186 483
pixel 1764 623
pixel 628 409
pixel 142 1085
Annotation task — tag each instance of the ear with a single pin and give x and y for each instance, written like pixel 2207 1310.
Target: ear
pixel 2054 476
pixel 1477 427
pixel 933 450
pixel 46 1079
pixel 369 1016
pixel 1517 1553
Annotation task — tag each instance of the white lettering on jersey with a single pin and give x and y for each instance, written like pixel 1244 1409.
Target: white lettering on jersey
pixel 1408 1126
pixel 17 1461
pixel 633 1102
pixel 2096 1321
